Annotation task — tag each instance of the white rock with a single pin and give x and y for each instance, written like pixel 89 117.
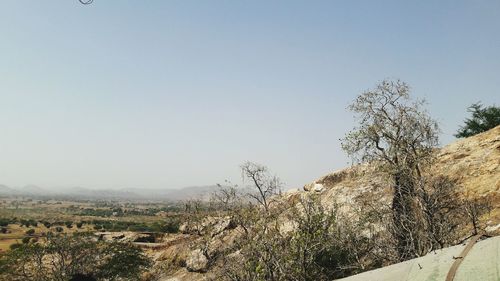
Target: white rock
pixel 492 228
pixel 197 261
pixel 318 187
pixel 221 225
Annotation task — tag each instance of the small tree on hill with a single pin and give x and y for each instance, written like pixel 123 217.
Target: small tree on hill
pixel 483 119
pixel 475 207
pixel 266 185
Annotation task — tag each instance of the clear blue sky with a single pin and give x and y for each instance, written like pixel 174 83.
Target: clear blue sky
pixel 164 94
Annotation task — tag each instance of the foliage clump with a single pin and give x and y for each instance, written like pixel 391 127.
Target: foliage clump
pixel 482 119
pixel 64 257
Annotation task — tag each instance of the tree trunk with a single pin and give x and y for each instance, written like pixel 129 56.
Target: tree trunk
pixel 405 229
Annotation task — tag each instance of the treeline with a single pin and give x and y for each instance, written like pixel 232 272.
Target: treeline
pixel 119 211
pixel 166 225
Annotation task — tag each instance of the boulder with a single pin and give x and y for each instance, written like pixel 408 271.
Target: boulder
pixel 184 228
pixel 318 187
pixel 209 225
pixel 197 261
pixel 221 225
pixel 224 241
pixel 235 257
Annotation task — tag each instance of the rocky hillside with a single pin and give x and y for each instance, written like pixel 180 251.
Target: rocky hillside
pixel 473 162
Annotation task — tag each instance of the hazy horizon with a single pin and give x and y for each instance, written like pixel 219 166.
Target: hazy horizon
pixel 160 94
pixel 116 188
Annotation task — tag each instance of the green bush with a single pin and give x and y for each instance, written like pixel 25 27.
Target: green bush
pixel 28 223
pixel 75 254
pixel 4 222
pixel 170 226
pixel 15 246
pixel 483 119
pixel 30 231
pixel 139 228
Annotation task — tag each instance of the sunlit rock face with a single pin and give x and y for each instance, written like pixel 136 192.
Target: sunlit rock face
pixel 473 162
pixel 197 261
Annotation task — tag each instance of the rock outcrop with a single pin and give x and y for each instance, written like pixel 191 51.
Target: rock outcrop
pixel 474 163
pixel 126 236
pixel 197 261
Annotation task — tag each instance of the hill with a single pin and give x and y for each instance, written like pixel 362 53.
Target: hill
pixel 474 163
pixel 129 194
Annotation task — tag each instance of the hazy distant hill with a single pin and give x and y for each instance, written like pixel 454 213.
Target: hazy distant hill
pixel 192 192
pixel 201 192
pixel 34 190
pixel 7 191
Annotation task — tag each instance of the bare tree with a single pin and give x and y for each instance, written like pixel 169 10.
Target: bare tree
pixel 397 133
pixel 194 214
pixel 441 210
pixel 226 197
pixel 474 208
pixel 266 185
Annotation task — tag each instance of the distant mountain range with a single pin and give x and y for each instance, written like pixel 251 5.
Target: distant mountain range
pixel 133 194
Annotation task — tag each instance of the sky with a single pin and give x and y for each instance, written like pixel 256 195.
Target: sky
pixel 168 94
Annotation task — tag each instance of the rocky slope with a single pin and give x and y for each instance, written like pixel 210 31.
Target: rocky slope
pixel 473 162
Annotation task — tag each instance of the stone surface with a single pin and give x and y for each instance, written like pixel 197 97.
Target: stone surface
pixel 473 162
pixel 197 261
pixel 209 225
pixel 480 264
pixel 318 187
pixel 221 225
